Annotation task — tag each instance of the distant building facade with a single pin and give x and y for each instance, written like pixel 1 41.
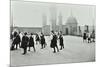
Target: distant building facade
pixel 69 28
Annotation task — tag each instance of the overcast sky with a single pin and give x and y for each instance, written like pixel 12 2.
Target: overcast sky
pixel 29 14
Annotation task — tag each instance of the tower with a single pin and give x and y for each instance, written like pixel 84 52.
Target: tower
pixel 60 21
pixel 53 17
pixel 44 23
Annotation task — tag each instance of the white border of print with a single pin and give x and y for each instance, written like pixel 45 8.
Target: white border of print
pixel 4 33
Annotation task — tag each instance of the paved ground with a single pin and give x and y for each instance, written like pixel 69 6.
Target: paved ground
pixel 75 51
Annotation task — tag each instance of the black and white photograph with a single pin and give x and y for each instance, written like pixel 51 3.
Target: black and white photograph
pixel 43 33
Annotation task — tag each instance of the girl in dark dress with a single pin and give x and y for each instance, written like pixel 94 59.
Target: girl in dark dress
pixel 89 37
pixel 61 40
pixel 17 40
pixel 31 42
pixel 11 36
pixel 24 43
pixel 14 41
pixel 37 39
pixel 93 36
pixel 42 41
pixel 54 42
pixel 84 36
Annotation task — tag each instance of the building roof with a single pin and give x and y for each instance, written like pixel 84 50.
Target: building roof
pixel 71 20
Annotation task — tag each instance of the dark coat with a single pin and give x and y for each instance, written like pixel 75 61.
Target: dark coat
pixel 24 43
pixel 11 36
pixel 15 34
pixel 17 39
pixel 53 41
pixel 61 40
pixel 84 36
pixel 42 39
pixel 31 41
pixel 37 38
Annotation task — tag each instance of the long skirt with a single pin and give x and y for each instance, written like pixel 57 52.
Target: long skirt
pixel 53 44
